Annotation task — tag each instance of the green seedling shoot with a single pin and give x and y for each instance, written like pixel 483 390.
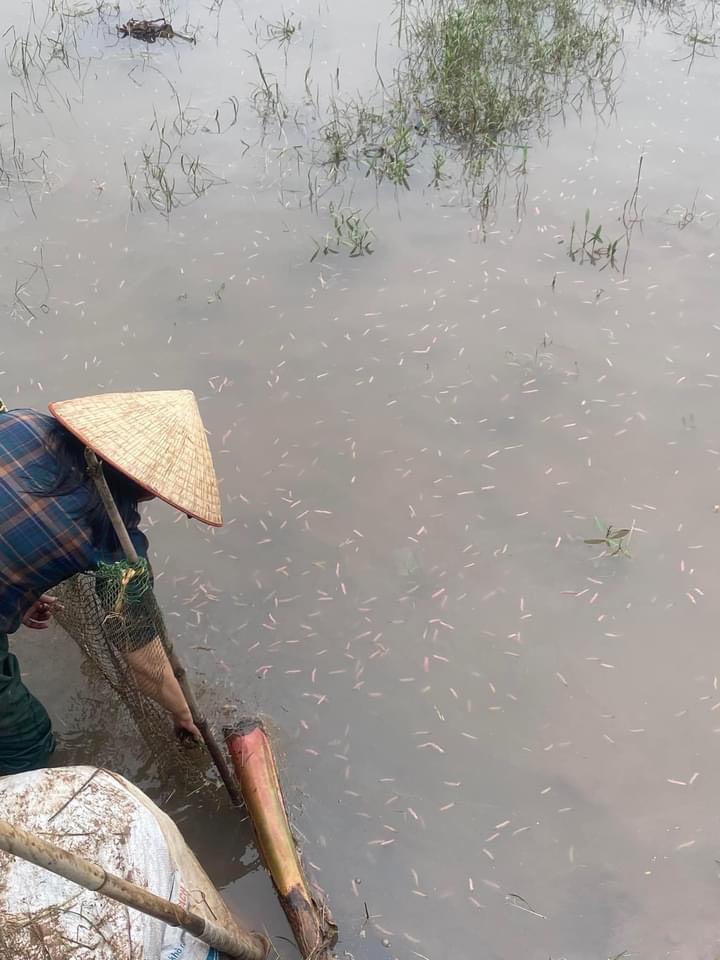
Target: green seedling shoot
pixel 614 540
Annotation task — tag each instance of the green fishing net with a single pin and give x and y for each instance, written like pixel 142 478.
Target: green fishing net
pixel 113 616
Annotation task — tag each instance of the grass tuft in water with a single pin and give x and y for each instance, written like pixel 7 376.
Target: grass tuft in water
pixel 168 176
pixel 350 232
pixel 282 31
pixel 596 247
pixel 490 65
pixel 593 245
pixel 613 540
pixel 477 80
pixel 267 98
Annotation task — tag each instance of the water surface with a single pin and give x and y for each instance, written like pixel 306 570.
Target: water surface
pixel 499 742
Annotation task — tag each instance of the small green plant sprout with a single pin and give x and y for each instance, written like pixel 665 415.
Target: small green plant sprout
pixel 350 232
pixel 593 245
pixel 438 169
pixel 613 540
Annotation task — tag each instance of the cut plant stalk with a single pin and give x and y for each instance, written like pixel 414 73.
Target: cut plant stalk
pixel 252 757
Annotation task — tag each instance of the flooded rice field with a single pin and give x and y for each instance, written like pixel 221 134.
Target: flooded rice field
pixel 441 332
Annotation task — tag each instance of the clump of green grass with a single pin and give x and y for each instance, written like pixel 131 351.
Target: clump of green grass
pixel 168 176
pixel 392 159
pixel 476 83
pixel 597 247
pixel 350 232
pixel 593 245
pixel 487 71
pixel 477 80
pixel 382 140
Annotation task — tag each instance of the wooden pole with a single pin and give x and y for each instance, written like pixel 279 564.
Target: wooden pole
pixel 237 942
pixel 200 721
pixel 96 473
pixel 98 477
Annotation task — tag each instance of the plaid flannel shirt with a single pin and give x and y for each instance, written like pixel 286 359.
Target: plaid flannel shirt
pixel 43 540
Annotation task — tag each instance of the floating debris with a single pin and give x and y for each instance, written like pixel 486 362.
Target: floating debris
pixel 151 30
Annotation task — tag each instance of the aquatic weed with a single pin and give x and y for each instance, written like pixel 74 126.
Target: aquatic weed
pixel 267 98
pixel 486 71
pixel 282 31
pixel 476 79
pixel 169 176
pixel 593 245
pixel 598 248
pixel 350 232
pixel 613 539
pixel 438 167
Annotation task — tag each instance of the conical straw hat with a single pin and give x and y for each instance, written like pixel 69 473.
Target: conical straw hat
pixel 155 438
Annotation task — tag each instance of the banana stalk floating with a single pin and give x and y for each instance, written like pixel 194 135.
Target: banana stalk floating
pixel 254 763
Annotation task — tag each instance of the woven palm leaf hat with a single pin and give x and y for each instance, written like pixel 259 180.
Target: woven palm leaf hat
pixel 156 438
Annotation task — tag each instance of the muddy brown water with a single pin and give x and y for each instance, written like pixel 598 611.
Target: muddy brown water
pixel 503 744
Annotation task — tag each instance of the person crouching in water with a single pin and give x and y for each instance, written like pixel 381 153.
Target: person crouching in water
pixel 53 525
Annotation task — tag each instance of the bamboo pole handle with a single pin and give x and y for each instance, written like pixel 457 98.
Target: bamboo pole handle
pixel 237 942
pixel 203 726
pixel 98 477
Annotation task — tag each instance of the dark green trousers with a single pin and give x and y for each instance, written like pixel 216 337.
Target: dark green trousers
pixel 26 737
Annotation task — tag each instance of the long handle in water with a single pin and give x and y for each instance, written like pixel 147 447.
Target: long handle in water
pixel 237 942
pixel 96 472
pixel 252 757
pixel 213 747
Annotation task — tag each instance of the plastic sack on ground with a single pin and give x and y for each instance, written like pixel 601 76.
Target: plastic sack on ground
pixel 98 815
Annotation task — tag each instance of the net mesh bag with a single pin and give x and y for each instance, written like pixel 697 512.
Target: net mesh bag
pixel 113 616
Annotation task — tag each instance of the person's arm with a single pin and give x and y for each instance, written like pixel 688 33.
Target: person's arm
pixel 155 678
pixel 149 663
